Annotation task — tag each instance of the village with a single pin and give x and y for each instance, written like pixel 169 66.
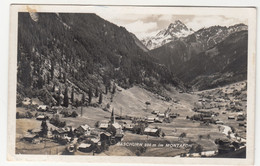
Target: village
pixel 211 121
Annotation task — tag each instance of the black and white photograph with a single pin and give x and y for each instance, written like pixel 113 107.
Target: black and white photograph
pixel 134 82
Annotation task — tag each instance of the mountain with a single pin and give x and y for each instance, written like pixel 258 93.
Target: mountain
pixel 81 51
pixel 175 53
pixel 173 32
pixel 224 63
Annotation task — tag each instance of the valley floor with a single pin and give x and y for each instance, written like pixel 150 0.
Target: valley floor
pixel 131 102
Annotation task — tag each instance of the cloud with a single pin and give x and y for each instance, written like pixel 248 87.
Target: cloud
pixel 141 28
pixel 199 22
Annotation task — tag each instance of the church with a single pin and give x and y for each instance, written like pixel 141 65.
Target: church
pixel 114 127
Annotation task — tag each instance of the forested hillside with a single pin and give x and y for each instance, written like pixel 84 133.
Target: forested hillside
pixel 58 53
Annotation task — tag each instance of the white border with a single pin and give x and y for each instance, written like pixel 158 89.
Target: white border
pixel 5 34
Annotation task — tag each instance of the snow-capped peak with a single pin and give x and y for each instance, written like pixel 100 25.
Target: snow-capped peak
pixel 174 31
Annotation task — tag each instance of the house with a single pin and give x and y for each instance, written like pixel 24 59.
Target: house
pixel 26 101
pixel 173 115
pixel 155 112
pixel 116 128
pixel 128 127
pixel 60 133
pixel 231 117
pixel 84 147
pixel 161 115
pixel 94 140
pixel 118 137
pixel 83 129
pixel 103 125
pixel 158 120
pixel 105 137
pixel 219 122
pixel 42 108
pixel 240 117
pixel 41 117
pixel 151 131
pixel 29 137
pixel 150 119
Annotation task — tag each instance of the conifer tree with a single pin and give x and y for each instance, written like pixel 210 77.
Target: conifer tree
pixel 66 98
pixel 100 98
pixel 83 98
pixel 44 129
pixel 89 95
pixel 72 95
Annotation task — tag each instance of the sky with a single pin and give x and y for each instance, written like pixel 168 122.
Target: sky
pixel 143 25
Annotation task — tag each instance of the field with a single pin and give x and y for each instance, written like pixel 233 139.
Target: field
pixel 131 102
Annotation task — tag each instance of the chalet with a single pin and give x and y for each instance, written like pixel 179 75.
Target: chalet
pixel 94 132
pixel 225 146
pixel 158 120
pixel 103 125
pixel 231 117
pixel 161 115
pixel 42 108
pixel 26 101
pixel 84 147
pixel 155 112
pixel 83 129
pixel 29 137
pixel 41 117
pixel 240 117
pixel 150 119
pixel 105 137
pixel 95 140
pixel 60 133
pixel 128 127
pixel 219 122
pixel 207 119
pixel 173 115
pixel 151 131
pixel 118 137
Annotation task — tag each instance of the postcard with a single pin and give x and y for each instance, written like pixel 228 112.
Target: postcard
pixel 132 84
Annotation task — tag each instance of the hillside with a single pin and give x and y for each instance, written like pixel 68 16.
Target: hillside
pixel 220 65
pixel 176 53
pixel 81 52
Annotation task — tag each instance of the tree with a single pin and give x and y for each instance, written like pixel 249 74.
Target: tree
pixel 48 78
pixel 44 129
pixel 66 98
pixel 182 135
pixel 83 98
pixel 40 82
pixel 197 148
pixel 52 69
pixel 59 98
pixel 114 89
pixel 53 88
pixel 163 134
pixel 24 73
pixel 72 95
pixel 96 92
pixel 74 114
pixel 17 115
pixel 89 95
pixel 59 73
pixel 64 78
pixel 100 98
pixel 106 89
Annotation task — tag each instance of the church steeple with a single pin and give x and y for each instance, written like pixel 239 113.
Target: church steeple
pixel 112 120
